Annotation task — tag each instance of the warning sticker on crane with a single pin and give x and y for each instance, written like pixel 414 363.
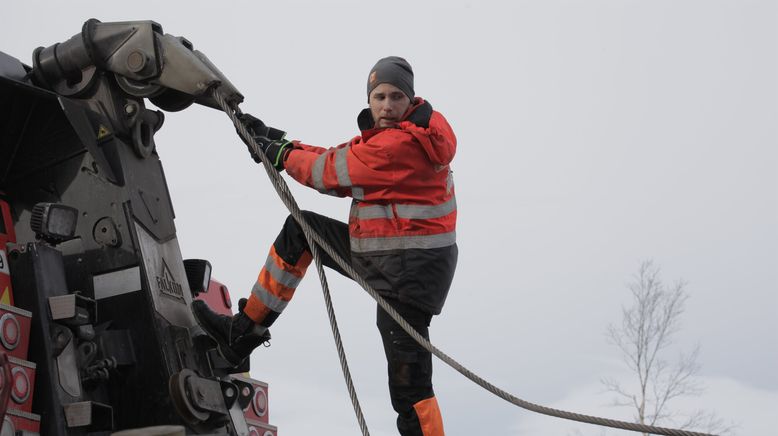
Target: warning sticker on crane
pixel 103 132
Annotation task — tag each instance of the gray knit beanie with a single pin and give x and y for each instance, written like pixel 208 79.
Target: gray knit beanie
pixel 393 70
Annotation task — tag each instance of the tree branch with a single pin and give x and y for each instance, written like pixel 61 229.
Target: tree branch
pixel 647 329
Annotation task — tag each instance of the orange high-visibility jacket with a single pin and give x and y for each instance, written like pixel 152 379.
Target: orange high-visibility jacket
pixel 402 223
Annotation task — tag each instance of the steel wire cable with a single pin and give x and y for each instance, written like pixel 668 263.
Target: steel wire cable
pixel 288 199
pixel 336 334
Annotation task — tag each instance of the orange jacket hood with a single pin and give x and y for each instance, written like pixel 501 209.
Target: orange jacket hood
pixel 426 125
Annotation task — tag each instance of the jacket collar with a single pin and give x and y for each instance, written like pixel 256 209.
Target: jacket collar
pixel 367 125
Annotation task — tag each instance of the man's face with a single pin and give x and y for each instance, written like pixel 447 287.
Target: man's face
pixel 387 105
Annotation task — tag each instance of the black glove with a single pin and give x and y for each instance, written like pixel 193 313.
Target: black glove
pixel 276 150
pixel 256 128
pixel 270 140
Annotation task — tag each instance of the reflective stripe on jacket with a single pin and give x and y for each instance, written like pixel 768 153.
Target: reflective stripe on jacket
pixel 403 193
pixel 399 178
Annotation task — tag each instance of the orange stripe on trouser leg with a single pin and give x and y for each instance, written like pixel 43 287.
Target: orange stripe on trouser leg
pixel 268 282
pixel 297 269
pixel 429 417
pixel 255 309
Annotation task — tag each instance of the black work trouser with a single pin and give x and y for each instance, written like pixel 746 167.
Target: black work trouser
pixel 409 365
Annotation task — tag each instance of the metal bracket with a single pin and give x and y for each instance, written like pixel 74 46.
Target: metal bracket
pixel 73 309
pixel 245 392
pixel 96 416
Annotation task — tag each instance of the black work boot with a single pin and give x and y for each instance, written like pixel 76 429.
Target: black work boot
pixel 237 336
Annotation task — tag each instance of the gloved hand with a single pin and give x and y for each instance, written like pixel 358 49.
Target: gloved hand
pixel 254 125
pixel 256 128
pixel 271 141
pixel 277 150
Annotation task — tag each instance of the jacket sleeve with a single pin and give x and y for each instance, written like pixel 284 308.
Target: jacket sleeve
pixel 310 148
pixel 344 171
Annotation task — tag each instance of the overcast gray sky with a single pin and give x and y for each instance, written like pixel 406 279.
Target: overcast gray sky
pixel 592 135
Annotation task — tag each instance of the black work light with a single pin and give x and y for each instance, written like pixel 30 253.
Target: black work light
pixel 198 274
pixel 54 222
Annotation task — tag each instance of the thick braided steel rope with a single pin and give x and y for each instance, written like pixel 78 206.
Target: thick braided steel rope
pixel 336 334
pixel 283 190
pixel 286 196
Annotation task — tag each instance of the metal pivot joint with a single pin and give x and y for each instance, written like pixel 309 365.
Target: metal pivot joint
pixel 145 62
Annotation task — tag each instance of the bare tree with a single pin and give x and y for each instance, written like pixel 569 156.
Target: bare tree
pixel 646 331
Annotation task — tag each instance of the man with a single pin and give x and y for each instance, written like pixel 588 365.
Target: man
pixel 400 236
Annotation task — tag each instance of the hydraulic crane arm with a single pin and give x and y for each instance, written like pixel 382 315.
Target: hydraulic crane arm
pixel 146 62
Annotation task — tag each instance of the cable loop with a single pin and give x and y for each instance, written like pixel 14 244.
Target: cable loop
pixel 316 241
